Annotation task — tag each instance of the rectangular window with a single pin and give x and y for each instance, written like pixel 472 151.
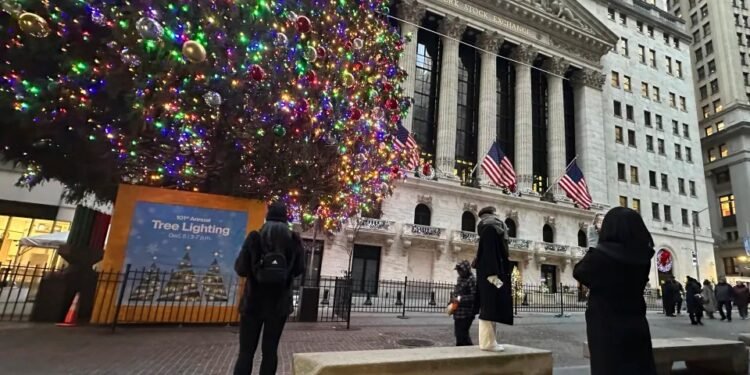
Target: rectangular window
pixel 672 100
pixel 623 19
pixel 618 135
pixel 704 11
pixel 709 130
pixel 629 113
pixel 660 146
pixel 644 90
pixel 668 64
pixel 711 154
pixel 621 172
pixel 729 267
pixel 677 151
pixel 746 78
pixel 723 150
pixel 743 59
pixel 685 131
pixel 639 26
pixel 652 179
pixel 637 205
pixel 666 38
pixel 617 108
pixel 615 79
pixel 649 143
pixel 667 213
pixel 657 94
pixel 624 47
pixel 655 212
pixel 701 73
pixel 707 29
pixel 718 107
pixel 659 124
pixel 611 14
pixel 704 92
pixel 706 111
pixel 683 103
pixel 678 68
pixel 675 127
pixel 711 67
pixel 647 118
pixel 631 138
pixel 642 54
pixel 365 268
pixel 634 175
pixel 664 182
pixel 727 207
pixel 697 36
pixel 688 154
pixel 685 219
pixel 696 219
pixel 694 19
pixel 709 47
pixel 714 86
pixel 720 126
pixel 698 55
pixel 691 186
pixel 652 58
pixel 681 186
pixel 623 201
pixel 626 84
pixel 650 30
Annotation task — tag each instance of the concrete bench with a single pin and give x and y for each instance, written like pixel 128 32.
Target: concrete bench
pixel 466 360
pixel 702 355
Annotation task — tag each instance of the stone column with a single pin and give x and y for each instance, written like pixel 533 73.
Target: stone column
pixel 411 12
pixel 589 127
pixel 453 28
pixel 489 42
pixel 524 56
pixel 556 66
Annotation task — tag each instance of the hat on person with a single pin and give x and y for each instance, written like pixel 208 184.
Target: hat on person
pixel 489 210
pixel 463 265
pixel 277 212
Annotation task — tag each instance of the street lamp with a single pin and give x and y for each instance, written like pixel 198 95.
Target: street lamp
pixel 695 245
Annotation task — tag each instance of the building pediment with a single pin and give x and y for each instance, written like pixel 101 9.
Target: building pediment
pixel 559 25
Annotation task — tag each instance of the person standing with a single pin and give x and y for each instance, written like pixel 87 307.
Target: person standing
pixel 270 259
pixel 694 301
pixel 616 272
pixel 679 293
pixel 724 299
pixel 709 299
pixel 741 296
pixel 493 278
pixel 667 298
pixel 463 296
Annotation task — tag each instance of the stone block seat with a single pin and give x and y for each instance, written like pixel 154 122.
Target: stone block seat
pixel 701 355
pixel 467 360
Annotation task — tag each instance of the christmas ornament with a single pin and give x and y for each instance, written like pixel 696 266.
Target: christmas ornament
pixel 427 172
pixel 310 54
pixel 149 28
pixel 301 106
pixel 303 24
pixel 279 130
pixel 98 17
pixel 348 79
pixel 321 52
pixel 391 104
pixel 129 58
pixel 194 51
pixel 280 39
pixel 357 66
pixel 664 261
pixel 257 73
pixel 33 24
pixel 213 99
pixel 355 114
pixel 377 113
pixel 358 43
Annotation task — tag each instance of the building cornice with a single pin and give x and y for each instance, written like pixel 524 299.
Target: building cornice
pixel 643 10
pixel 727 110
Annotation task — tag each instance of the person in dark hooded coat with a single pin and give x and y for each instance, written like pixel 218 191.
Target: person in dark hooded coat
pixel 694 300
pixel 493 278
pixel 616 272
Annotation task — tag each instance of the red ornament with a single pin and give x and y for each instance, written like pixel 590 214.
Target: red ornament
pixel 303 24
pixel 391 104
pixel 257 73
pixel 348 46
pixel 387 86
pixel 357 66
pixel 321 52
pixel 312 77
pixel 355 114
pixel 427 169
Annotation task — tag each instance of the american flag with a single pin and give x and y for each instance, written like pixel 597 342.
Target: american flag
pixel 498 168
pixel 405 141
pixel 574 185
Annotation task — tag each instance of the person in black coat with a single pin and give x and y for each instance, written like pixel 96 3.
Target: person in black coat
pixel 667 298
pixel 616 272
pixel 694 300
pixel 678 292
pixel 493 278
pixel 263 306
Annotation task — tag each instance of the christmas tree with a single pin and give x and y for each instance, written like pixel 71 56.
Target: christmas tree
pixel 182 285
pixel 265 99
pixel 148 285
pixel 214 289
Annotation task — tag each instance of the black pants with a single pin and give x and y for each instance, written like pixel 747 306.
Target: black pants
pixel 668 306
pixel 696 315
pixel 461 328
pixel 728 306
pixel 743 310
pixel 678 305
pixel 250 328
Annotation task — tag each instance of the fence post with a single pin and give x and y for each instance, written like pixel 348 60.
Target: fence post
pixel 562 303
pixel 403 307
pixel 119 299
pixel 515 299
pixel 350 286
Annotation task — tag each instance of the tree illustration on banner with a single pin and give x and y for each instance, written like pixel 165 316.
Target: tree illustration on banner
pixel 182 284
pixel 214 289
pixel 148 285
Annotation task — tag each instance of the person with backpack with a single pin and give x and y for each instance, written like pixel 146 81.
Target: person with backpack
pixel 270 259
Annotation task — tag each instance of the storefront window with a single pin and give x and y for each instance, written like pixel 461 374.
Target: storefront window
pixel 13 229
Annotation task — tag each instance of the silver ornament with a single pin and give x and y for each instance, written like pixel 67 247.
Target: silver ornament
pixel 280 40
pixel 292 16
pixel 358 43
pixel 149 28
pixel 310 54
pixel 98 18
pixel 213 99
pixel 129 58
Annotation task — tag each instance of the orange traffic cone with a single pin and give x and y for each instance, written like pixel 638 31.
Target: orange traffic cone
pixel 70 318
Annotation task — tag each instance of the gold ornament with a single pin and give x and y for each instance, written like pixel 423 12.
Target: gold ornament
pixel 33 24
pixel 194 51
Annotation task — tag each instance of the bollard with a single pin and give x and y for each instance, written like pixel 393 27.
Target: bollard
pixel 432 299
pixel 325 298
pixel 368 302
pixel 398 298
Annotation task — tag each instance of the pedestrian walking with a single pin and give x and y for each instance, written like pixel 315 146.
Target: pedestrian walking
pixel 741 296
pixel 269 260
pixel 694 301
pixel 709 299
pixel 724 299
pixel 667 298
pixel 616 271
pixel 463 300
pixel 679 293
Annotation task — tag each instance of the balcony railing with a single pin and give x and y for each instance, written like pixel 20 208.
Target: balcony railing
pixel 465 237
pixel 423 231
pixel 376 224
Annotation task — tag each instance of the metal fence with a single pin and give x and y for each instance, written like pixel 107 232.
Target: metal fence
pixel 148 296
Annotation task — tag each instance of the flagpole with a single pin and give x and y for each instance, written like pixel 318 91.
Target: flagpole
pixel 561 176
pixel 479 160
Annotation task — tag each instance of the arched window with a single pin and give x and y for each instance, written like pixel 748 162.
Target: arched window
pixel 468 222
pixel 548 235
pixel 583 241
pixel 422 215
pixel 511 227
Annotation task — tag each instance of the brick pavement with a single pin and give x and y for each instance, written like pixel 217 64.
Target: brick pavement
pixel 44 349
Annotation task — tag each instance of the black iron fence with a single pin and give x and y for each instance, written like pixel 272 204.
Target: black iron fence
pixel 149 295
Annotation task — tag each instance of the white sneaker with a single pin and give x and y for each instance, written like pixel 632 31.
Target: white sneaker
pixel 497 348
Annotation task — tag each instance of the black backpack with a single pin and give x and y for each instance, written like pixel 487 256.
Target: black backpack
pixel 271 268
